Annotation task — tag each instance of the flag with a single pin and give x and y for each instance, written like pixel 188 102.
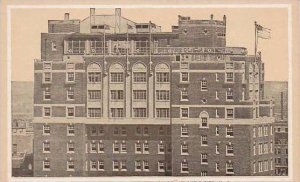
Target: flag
pixel 262 32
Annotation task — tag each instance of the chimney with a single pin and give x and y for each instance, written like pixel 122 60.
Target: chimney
pixel 211 17
pixel 92 15
pixel 224 19
pixel 67 15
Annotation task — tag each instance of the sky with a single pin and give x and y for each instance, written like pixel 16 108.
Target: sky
pixel 28 24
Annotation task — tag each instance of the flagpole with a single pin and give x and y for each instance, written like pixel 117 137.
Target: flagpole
pixel 255 44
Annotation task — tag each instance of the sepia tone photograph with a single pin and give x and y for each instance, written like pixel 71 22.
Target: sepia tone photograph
pixel 163 91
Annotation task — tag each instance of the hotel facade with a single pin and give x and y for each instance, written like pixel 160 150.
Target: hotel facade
pixel 113 97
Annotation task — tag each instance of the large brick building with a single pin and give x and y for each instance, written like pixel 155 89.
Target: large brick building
pixel 115 97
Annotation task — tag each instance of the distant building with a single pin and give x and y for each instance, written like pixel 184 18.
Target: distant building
pixel 22 129
pixel 278 92
pixel 113 97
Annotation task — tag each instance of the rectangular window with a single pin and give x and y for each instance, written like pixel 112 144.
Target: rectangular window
pixel 162 95
pixel 229 149
pixel 115 165
pixel 254 148
pixel 162 113
pixel 70 94
pixel 254 132
pixel 217 77
pixel 94 77
pixel 217 149
pixel 162 77
pixel 139 77
pixel 117 112
pixel 229 168
pixel 46 147
pixel 204 140
pixel 266 131
pixel 46 130
pixel 229 113
pixel 161 166
pixel 229 65
pixel 101 147
pixel 145 165
pixel 161 148
pixel 71 148
pixel 46 165
pixel 123 166
pixel 94 112
pixel 47 66
pixel 70 111
pixel 70 130
pixel 47 77
pixel 116 147
pixel 70 66
pixel 184 149
pixel 53 46
pixel 138 148
pixel 260 166
pixel 229 131
pixel 139 95
pixel 70 165
pixel 203 85
pixel 94 95
pixel 229 95
pixel 138 166
pixel 217 95
pixel 146 148
pixel 70 76
pixel 116 95
pixel 229 77
pixel 203 173
pixel 93 166
pixel 184 112
pixel 260 149
pixel 184 76
pixel 101 165
pixel 47 94
pixel 184 131
pixel 184 95
pixel 93 148
pixel 217 130
pixel 204 158
pixel 123 147
pixel 139 112
pixel 184 167
pixel 47 111
pixel 217 167
pixel 204 122
pixel 116 77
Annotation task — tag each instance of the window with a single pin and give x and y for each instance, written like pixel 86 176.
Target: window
pixel 184 167
pixel 229 65
pixel 47 94
pixel 184 95
pixel 47 111
pixel 93 165
pixel 116 131
pixel 47 77
pixel 46 147
pixel 204 140
pixel 204 158
pixel 229 131
pixel 139 77
pixel 229 95
pixel 260 166
pixel 161 131
pixel 254 148
pixel 229 168
pixel 123 165
pixel 229 77
pixel 138 166
pixel 138 130
pixel 260 131
pixel 217 130
pixel 123 131
pixel 271 130
pixel 146 148
pixel 203 173
pixel 115 166
pixel 47 66
pixel 70 76
pixel 101 147
pixel 254 132
pixel 46 130
pixel 266 148
pixel 94 77
pixel 94 95
pixel 266 131
pixel 93 148
pixel 146 130
pixel 184 149
pixel 70 111
pixel 217 149
pixel 217 77
pixel 217 95
pixel 53 46
pixel 116 94
pixel 145 165
pixel 70 130
pixel 184 112
pixel 116 77
pixel 254 167
pixel 123 147
pixel 162 113
pixel 161 166
pixel 161 148
pixel 94 112
pixel 229 113
pixel 184 76
pixel 184 131
pixel 203 85
pixel 229 149
pixel 117 112
pixel 46 165
pixel 162 77
pixel 271 164
pixel 204 122
pixel 70 146
pixel 162 95
pixel 217 167
pixel 70 94
pixel 101 165
pixel 139 95
pixel 271 148
pixel 116 147
pixel 70 165
pixel 70 66
pixel 266 165
pixel 139 112
pixel 138 147
pixel 260 149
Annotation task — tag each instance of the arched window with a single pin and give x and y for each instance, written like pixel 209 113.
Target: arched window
pixel 94 73
pixel 139 73
pixel 116 73
pixel 204 119
pixel 162 73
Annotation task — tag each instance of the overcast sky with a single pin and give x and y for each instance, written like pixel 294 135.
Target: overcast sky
pixel 27 25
